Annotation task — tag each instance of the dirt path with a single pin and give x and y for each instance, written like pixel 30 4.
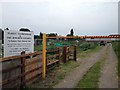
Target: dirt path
pixel 73 78
pixel 109 78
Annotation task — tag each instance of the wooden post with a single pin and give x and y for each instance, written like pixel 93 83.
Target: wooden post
pixel 23 70
pixel 68 52
pixel 64 54
pixel 44 56
pixel 58 55
pixel 75 53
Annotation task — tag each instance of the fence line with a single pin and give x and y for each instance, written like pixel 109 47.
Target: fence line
pixel 28 67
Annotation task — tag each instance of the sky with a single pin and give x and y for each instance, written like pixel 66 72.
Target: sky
pixel 86 17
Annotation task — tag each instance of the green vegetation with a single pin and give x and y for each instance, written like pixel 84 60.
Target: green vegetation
pixel 88 45
pixel 83 48
pixel 116 45
pixel 116 48
pixel 51 44
pixel 54 76
pixel 81 44
pixel 37 48
pixel 90 80
pixel 83 54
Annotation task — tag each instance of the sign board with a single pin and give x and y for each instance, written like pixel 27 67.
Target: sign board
pixel 17 41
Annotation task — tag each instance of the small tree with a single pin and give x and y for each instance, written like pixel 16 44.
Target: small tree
pixel 36 37
pixel 6 28
pixel 2 35
pixel 41 35
pixel 52 34
pixel 71 32
pixel 24 29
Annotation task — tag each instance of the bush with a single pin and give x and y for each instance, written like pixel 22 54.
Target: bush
pixel 87 45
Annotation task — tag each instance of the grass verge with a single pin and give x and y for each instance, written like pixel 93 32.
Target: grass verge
pixel 90 80
pixel 55 75
pixel 116 48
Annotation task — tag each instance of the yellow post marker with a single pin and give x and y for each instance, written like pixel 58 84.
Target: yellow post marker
pixel 44 56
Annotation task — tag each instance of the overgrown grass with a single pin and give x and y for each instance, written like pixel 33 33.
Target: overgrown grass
pixel 88 45
pixel 116 45
pixel 37 48
pixel 83 54
pixel 116 48
pixel 54 76
pixel 91 79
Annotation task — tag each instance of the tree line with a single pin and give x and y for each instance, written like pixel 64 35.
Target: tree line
pixel 71 33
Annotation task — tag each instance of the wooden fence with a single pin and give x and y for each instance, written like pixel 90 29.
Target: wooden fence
pixel 18 71
pixel 69 53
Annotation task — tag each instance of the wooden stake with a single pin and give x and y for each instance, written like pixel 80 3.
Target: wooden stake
pixel 44 56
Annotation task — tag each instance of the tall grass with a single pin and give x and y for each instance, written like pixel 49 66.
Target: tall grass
pixel 88 45
pixel 85 48
pixel 116 47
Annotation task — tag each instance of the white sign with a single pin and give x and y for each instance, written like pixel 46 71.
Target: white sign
pixel 17 41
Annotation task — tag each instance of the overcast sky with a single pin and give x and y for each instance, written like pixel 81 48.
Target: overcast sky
pixel 86 18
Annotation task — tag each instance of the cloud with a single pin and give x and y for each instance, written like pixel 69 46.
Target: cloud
pixel 57 16
pixel 60 0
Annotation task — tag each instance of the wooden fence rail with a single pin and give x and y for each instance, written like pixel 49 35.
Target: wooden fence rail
pixel 23 72
pixel 28 67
